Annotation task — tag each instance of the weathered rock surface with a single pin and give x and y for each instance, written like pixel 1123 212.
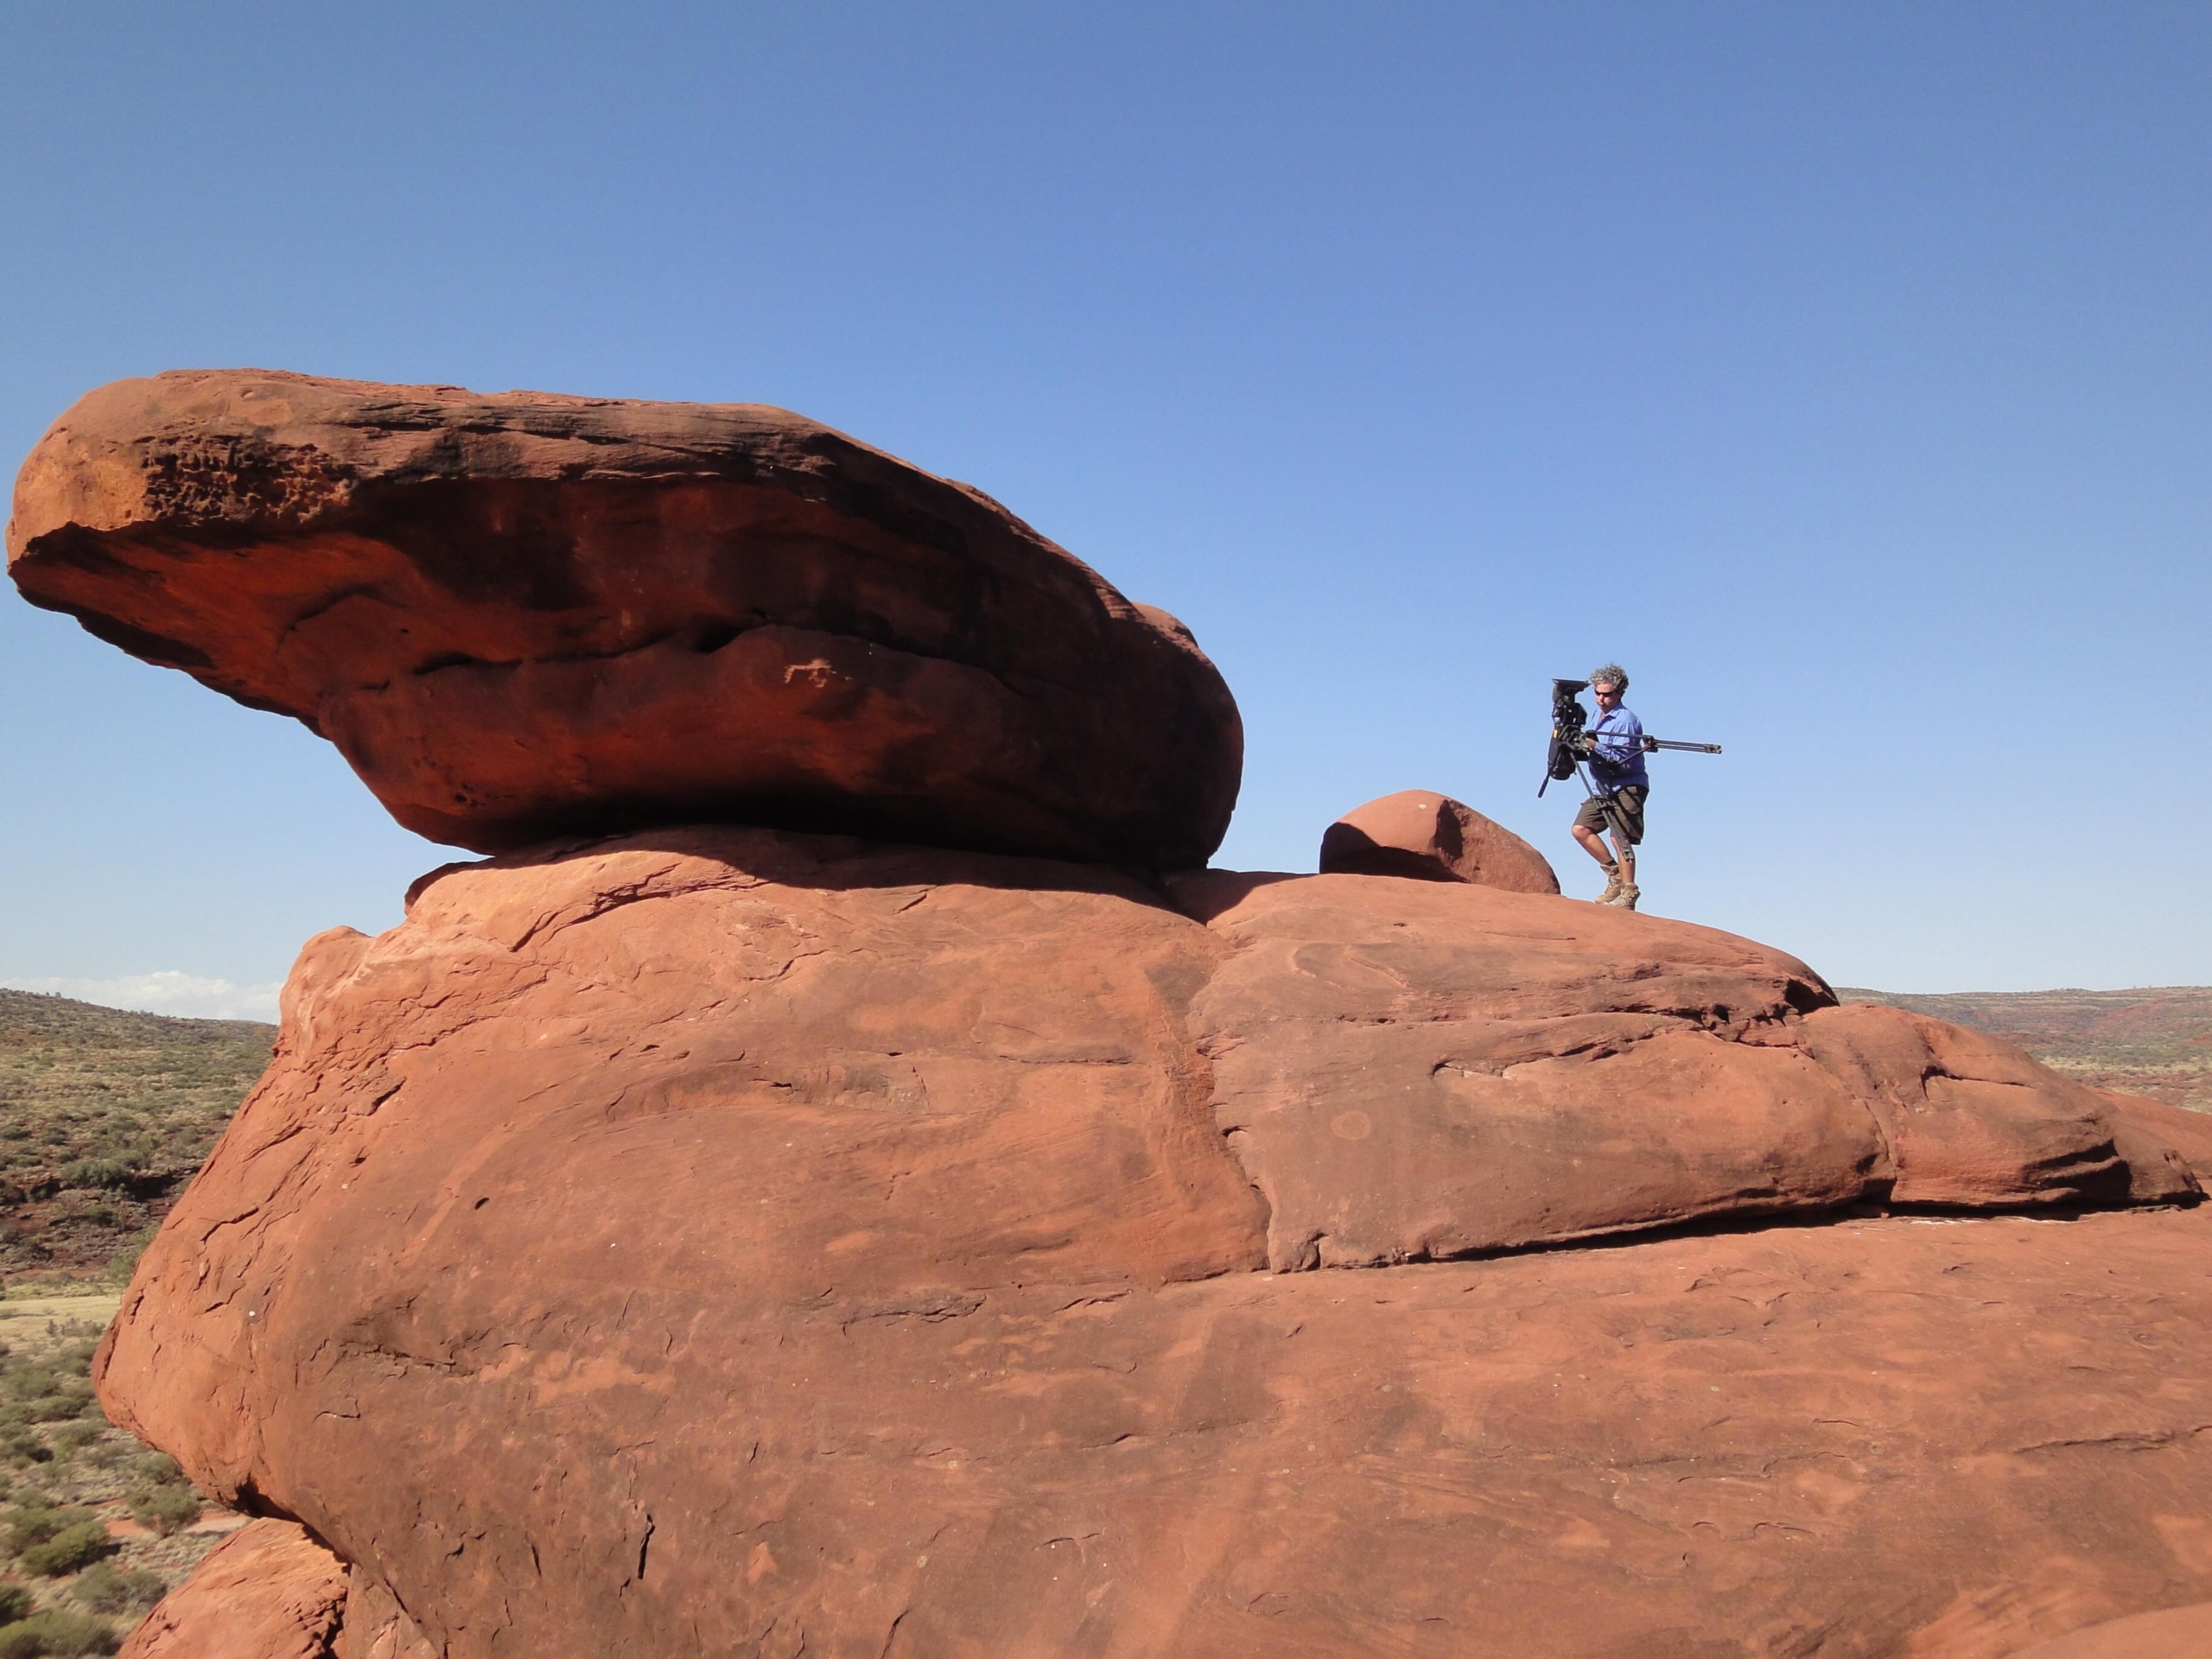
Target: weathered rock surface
pixel 1411 1073
pixel 718 1240
pixel 526 615
pixel 2172 1633
pixel 1970 1119
pixel 267 1591
pixel 1432 838
pixel 1837 1439
pixel 378 1627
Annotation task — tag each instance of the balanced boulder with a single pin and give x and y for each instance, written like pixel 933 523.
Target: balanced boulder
pixel 526 615
pixel 1432 838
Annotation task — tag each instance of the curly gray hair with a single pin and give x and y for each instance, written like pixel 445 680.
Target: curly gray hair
pixel 1610 674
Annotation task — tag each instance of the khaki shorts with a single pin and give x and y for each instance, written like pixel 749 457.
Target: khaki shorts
pixel 1627 802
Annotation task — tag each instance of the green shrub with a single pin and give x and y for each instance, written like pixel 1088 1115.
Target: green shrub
pixel 104 1589
pixel 159 1469
pixel 77 1437
pixel 62 1407
pixel 34 1521
pixel 68 1551
pixel 14 1602
pixel 59 1634
pixel 165 1509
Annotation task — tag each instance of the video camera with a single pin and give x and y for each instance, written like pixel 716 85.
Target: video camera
pixel 1569 722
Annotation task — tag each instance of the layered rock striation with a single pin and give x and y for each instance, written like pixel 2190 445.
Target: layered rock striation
pixel 526 615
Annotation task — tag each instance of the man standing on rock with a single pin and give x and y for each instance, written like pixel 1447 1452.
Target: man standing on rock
pixel 1613 744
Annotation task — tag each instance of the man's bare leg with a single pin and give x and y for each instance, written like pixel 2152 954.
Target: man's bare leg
pixel 1620 872
pixel 1594 844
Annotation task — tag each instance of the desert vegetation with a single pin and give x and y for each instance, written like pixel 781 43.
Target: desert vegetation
pixel 94 1526
pixel 104 1117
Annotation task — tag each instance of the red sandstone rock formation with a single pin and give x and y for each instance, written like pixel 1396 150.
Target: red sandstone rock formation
pixel 2172 1633
pixel 526 615
pixel 1411 1073
pixel 726 1240
pixel 1432 838
pixel 1855 1439
pixel 719 1239
pixel 267 1591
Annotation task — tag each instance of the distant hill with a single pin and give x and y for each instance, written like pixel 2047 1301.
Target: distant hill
pixel 2155 1042
pixel 103 1116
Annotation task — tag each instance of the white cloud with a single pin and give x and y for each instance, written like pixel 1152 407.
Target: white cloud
pixel 165 991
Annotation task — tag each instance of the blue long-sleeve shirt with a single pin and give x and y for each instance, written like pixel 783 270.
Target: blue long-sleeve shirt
pixel 1617 761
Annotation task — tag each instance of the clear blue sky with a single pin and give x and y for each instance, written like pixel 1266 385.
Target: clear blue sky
pixel 1841 370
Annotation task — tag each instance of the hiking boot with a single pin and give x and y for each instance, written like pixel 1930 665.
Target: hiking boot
pixel 1612 887
pixel 1624 898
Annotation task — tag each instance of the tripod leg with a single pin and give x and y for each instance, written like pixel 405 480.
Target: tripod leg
pixel 1623 848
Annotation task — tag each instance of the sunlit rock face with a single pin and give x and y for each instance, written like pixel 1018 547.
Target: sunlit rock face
pixel 526 615
pixel 725 1238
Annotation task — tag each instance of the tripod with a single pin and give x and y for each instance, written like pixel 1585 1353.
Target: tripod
pixel 1565 760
